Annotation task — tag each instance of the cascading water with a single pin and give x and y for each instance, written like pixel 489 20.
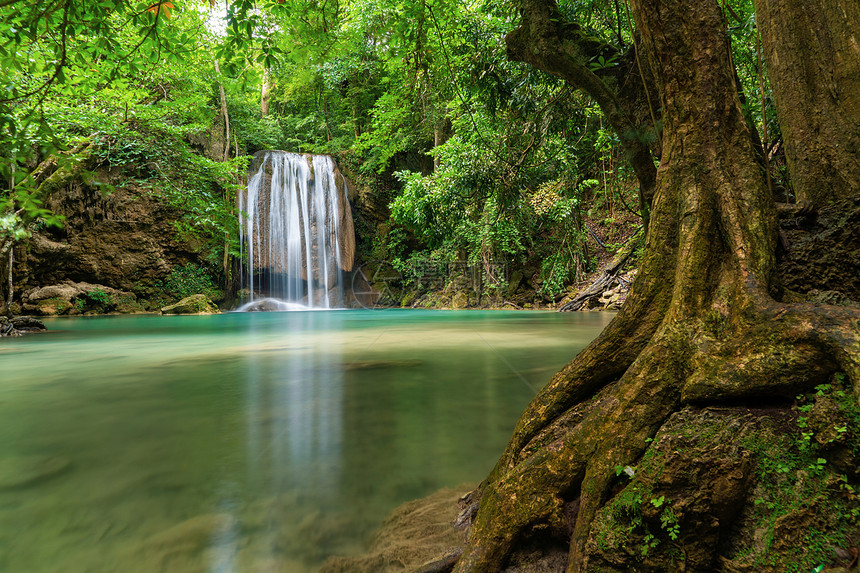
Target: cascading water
pixel 297 231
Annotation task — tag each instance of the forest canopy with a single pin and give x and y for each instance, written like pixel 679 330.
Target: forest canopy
pixel 477 156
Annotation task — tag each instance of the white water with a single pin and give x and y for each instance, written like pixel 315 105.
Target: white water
pixel 290 231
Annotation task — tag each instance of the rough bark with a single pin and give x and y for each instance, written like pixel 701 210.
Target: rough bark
pixel 702 324
pixel 812 50
pixel 224 113
pixel 547 41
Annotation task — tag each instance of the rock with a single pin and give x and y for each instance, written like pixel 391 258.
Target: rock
pixel 28 324
pixel 460 300
pixel 192 535
pixel 6 328
pixel 194 304
pixel 187 547
pixel 25 471
pixel 125 239
pixel 514 283
pixel 380 364
pixel 78 298
pixel 20 325
pixel 415 533
pixel 833 297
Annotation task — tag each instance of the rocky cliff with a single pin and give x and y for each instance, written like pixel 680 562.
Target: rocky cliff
pixel 117 235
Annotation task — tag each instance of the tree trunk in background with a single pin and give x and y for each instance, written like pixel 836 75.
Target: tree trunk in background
pixel 9 288
pixel 812 50
pixel 710 260
pixel 265 93
pixel 224 113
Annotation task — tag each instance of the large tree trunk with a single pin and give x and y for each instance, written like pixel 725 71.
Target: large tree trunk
pixel 703 323
pixel 812 51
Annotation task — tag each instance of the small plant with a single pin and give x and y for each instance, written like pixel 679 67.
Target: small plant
pixel 100 298
pixel 186 280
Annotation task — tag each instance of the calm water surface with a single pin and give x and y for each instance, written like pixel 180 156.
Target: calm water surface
pixel 252 442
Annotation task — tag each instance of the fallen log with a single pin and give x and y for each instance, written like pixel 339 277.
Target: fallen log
pixel 607 276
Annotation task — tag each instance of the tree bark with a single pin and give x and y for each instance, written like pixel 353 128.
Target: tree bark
pixel 265 93
pixel 812 50
pixel 702 324
pixel 224 113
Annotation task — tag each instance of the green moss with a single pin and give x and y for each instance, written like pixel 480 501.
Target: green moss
pixel 53 306
pixel 802 495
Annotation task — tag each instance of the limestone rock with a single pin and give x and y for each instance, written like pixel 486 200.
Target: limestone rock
pixel 194 304
pixel 26 324
pixel 125 239
pixel 69 298
pixel 192 535
pixel 514 283
pixel 6 328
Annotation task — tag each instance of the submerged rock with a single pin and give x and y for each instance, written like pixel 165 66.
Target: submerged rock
pixel 415 533
pixel 381 364
pixel 24 471
pixel 194 304
pixel 187 547
pixel 192 535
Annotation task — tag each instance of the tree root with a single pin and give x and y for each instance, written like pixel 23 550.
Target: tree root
pixel 575 453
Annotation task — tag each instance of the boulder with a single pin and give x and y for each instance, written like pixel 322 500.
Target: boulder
pixel 26 324
pixel 194 304
pixel 414 534
pixel 70 298
pixel 460 300
pixel 20 325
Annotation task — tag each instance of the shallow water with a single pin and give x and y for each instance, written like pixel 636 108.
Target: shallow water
pixel 252 442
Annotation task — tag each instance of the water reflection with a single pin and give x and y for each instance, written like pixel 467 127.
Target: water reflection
pixel 252 442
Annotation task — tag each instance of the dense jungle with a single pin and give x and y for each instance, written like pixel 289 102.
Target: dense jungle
pixel 691 165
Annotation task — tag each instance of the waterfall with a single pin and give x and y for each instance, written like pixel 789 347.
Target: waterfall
pixel 297 231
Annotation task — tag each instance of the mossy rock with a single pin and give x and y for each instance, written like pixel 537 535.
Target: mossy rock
pixel 53 306
pixel 194 304
pixel 735 489
pixel 460 300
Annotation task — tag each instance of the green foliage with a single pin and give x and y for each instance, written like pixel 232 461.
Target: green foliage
pixel 794 473
pixel 99 297
pixel 74 72
pixel 497 161
pixel 189 279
